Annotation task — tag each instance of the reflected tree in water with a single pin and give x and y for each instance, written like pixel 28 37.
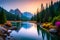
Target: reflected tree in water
pixel 45 35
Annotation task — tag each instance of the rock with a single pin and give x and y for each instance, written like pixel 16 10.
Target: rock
pixel 13 28
pixel 9 31
pixel 1 38
pixel 3 30
pixel 52 31
pixel 10 28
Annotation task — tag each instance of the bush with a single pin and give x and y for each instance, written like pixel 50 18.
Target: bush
pixel 56 19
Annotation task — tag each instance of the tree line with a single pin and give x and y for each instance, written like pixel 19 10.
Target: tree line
pixel 50 14
pixel 5 15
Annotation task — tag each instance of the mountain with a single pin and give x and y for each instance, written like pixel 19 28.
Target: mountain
pixel 9 16
pixel 16 11
pixel 12 11
pixel 23 16
pixel 28 15
pixel 1 8
pixel 16 14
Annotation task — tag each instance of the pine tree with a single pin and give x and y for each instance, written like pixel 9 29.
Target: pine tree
pixel 42 7
pixel 2 17
pixel 52 10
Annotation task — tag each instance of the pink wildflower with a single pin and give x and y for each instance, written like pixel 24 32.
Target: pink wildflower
pixel 57 24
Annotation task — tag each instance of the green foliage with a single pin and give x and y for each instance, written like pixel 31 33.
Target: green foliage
pixel 45 32
pixel 56 19
pixel 48 14
pixel 34 18
pixel 49 19
pixel 2 17
pixel 12 17
pixel 5 15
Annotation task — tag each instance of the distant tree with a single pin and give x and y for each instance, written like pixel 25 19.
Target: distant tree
pixel 17 18
pixel 58 9
pixel 2 17
pixel 52 10
pixel 48 14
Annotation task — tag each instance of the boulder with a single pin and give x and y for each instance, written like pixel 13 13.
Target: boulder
pixel 53 31
pixel 13 28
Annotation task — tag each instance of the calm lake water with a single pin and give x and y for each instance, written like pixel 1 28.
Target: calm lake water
pixel 29 31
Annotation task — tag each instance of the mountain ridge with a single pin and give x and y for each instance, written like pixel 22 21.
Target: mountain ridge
pixel 24 15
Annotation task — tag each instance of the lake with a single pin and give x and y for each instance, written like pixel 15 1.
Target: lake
pixel 29 31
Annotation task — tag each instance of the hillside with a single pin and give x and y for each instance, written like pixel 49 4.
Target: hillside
pixel 9 16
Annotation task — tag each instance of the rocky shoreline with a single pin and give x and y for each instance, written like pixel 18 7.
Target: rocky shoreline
pixel 5 30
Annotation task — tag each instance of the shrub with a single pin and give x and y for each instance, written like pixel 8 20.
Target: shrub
pixel 56 19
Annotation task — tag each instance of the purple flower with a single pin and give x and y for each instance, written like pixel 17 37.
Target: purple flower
pixel 57 24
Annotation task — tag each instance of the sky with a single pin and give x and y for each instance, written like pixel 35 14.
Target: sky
pixel 24 5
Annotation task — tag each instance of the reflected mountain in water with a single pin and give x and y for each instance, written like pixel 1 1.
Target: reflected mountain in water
pixel 26 25
pixel 26 32
pixel 30 31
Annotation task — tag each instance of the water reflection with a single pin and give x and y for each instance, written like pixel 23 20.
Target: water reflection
pixel 30 31
pixel 44 34
pixel 26 25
